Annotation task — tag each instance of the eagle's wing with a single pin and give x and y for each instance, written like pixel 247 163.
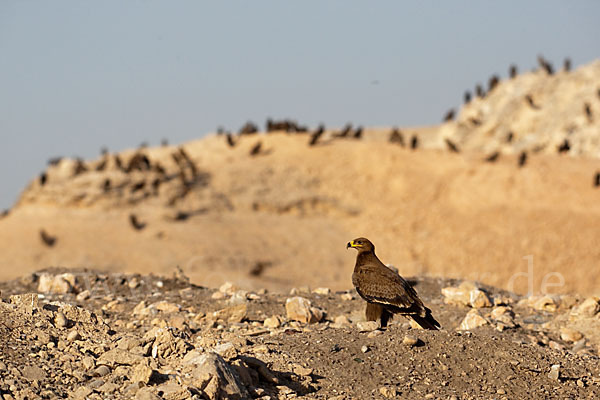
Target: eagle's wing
pixel 379 284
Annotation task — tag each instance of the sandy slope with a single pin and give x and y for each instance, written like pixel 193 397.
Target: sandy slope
pixel 294 208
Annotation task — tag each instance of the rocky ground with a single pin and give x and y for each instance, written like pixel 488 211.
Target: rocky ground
pixel 85 334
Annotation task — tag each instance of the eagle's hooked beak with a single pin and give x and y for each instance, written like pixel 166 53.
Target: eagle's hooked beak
pixel 350 244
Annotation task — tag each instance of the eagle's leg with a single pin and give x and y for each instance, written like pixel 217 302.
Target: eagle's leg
pixel 373 312
pixel 376 312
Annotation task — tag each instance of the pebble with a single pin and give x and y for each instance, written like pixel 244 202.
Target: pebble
pixel 83 296
pixel 364 349
pixel 60 320
pixel 410 340
pixel 272 322
pixel 367 326
pixel 73 336
pixel 347 296
pixel 570 335
pixel 324 291
pixel 554 373
pixel 102 370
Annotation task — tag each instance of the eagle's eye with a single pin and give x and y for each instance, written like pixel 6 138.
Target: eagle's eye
pixel 359 242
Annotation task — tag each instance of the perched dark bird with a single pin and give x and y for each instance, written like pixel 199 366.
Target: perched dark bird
pixel 104 151
pixel 522 159
pixel 135 223
pixel 479 91
pixel 138 186
pixel 597 180
pixel 47 239
pixel 102 164
pixel 414 142
pixel 139 162
pixel 4 213
pixel 386 292
pixel 314 137
pixel 119 163
pixel 449 116
pixel 588 111
pixel 358 133
pixel 345 131
pixel 545 65
pixel 452 146
pixel 155 185
pixel 474 121
pixel 531 103
pixel 164 142
pixel 256 149
pixel 230 140
pixel 43 178
pixel 467 97
pixel 493 82
pixel 564 146
pixel 567 64
pixel 512 71
pixel 79 167
pixel 509 137
pixel 220 130
pixel 249 128
pixel 259 267
pixel 143 145
pixel 56 160
pixel 397 137
pixel 493 157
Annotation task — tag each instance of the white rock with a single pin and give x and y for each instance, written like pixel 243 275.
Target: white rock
pixel 367 326
pixel 467 294
pixel 590 307
pixel 322 291
pixel 58 284
pixel 472 320
pixel 570 335
pixel 300 309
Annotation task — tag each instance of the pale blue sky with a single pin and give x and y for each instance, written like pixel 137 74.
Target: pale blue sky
pixel 76 76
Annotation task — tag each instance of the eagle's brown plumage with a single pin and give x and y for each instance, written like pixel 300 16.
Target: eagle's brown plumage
pixel 385 291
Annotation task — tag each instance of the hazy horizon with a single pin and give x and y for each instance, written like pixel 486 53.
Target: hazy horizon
pixel 76 77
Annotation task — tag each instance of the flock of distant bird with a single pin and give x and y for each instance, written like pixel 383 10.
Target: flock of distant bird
pixel 189 175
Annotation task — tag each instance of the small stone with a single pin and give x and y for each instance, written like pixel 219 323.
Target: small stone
pixel 142 372
pixel 133 283
pixel 227 288
pixel 580 383
pixel 73 336
pixel 166 307
pixel 367 326
pixel 57 284
pixel 544 303
pixel 589 308
pixel 146 393
pixel 302 371
pixel 472 320
pixel 340 321
pixel 410 340
pixel 272 322
pixel 388 392
pixel 374 334
pixel 234 314
pixel 323 291
pixel 554 373
pixel 217 296
pixel 102 370
pixel 83 296
pixel 364 349
pixel 299 309
pixel 60 320
pixel 570 335
pixel 467 294
pixel 226 350
pixel 501 391
pixel 347 296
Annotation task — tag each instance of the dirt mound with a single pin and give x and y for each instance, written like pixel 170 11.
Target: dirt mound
pixel 270 210
pixel 536 112
pixel 95 335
